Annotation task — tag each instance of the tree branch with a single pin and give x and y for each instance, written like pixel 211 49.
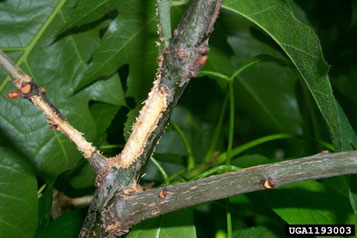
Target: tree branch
pixel 133 208
pixel 27 88
pixel 178 64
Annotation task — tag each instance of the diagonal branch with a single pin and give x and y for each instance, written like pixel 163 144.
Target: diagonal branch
pixel 140 206
pixel 27 88
pixel 180 62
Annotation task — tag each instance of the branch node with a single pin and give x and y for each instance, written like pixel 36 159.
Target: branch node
pixel 203 49
pixel 163 89
pixel 182 54
pixel 201 61
pixel 53 125
pixel 22 80
pixel 269 183
pixel 26 88
pixel 163 193
pixel 176 33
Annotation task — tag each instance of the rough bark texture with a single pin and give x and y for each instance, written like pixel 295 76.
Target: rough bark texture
pixel 140 206
pixel 179 63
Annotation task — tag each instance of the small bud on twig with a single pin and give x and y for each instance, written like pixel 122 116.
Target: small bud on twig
pixel 269 183
pixel 13 94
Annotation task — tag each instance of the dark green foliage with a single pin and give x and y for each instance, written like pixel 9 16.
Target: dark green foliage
pixel 97 61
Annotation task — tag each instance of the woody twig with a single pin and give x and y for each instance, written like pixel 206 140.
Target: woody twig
pixel 28 89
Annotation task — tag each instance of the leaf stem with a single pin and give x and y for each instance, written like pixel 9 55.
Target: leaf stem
pixel 175 175
pixel 247 65
pixel 41 189
pixel 217 132
pixel 214 74
pixel 216 170
pixel 229 218
pixel 103 147
pixel 229 149
pixel 162 171
pixel 231 123
pixel 239 149
pixel 190 157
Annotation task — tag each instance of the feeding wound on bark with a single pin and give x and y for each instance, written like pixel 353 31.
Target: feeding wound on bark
pixel 145 124
pixel 55 119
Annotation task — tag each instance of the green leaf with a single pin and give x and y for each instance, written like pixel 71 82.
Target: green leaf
pixel 220 53
pixel 176 224
pixel 36 17
pixel 171 163
pixel 58 67
pixel 247 161
pixel 254 232
pixel 18 196
pixel 131 118
pixel 298 12
pixel 103 114
pixel 82 177
pixel 353 192
pixel 302 46
pixel 310 202
pixel 66 226
pixel 88 11
pixel 254 202
pixel 350 141
pixel 44 211
pixel 267 93
pixel 217 170
pixel 108 91
pixel 130 38
pixel 196 114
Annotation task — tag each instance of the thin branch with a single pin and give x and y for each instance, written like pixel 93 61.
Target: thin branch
pixel 27 88
pixel 164 27
pixel 136 207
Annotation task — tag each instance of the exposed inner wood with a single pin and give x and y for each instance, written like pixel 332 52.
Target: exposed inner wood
pixel 145 124
pixel 62 125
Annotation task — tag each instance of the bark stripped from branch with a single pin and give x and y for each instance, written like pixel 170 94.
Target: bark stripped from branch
pixel 145 124
pixel 179 63
pixel 155 202
pixel 27 88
